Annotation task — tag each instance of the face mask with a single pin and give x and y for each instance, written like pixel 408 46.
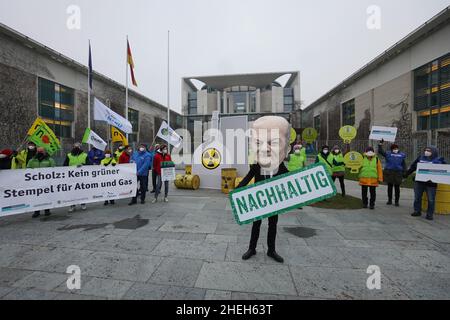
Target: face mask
pixel 141 149
pixel 31 148
pixel 326 151
pixel 121 148
pixel 337 151
pixel 107 156
pixel 395 151
pixel 428 154
pixel 297 151
pixel 130 151
pixel 164 151
pixel 2 156
pixel 300 146
pixel 370 154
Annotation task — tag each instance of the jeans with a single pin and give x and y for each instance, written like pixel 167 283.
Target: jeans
pixel 159 186
pixel 373 195
pixel 341 182
pixel 142 180
pixel 419 189
pixel 154 175
pixel 271 234
pixel 397 192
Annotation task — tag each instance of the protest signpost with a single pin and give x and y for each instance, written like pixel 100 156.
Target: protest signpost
pixel 348 134
pixel 281 194
pixel 48 188
pixel 437 173
pixel 383 133
pixel 354 161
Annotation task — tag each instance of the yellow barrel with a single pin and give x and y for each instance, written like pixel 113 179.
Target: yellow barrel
pixel 442 200
pixel 189 169
pixel 239 180
pixel 228 179
pixel 187 182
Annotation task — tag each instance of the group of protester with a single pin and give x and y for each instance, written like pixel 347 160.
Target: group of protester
pixel 146 160
pixel 371 173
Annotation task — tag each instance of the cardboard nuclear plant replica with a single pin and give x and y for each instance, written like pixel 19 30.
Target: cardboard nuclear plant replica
pixel 221 152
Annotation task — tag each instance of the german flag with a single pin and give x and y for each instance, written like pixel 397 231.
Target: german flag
pixel 131 63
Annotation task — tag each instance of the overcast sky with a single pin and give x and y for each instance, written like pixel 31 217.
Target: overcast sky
pixel 326 40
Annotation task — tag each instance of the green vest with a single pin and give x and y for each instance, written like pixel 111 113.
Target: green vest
pixel 106 162
pixel 117 154
pixel 327 164
pixel 369 169
pixel 46 163
pixel 338 158
pixel 296 161
pixel 77 160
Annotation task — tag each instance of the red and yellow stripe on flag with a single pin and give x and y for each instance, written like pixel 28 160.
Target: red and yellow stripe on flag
pixel 131 63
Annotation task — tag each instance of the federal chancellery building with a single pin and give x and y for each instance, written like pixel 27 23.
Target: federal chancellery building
pixel 407 86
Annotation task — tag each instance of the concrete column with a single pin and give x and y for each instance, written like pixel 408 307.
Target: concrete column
pixel 225 102
pixel 258 101
pixel 247 102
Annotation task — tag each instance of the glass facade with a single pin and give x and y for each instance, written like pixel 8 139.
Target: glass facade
pixel 288 99
pixel 432 94
pixel 348 113
pixel 56 107
pixel 192 103
pixel 133 117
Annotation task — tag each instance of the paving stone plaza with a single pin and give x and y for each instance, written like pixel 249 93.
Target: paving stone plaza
pixel 191 249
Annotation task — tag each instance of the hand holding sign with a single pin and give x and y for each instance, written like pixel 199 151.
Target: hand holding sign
pixel 383 134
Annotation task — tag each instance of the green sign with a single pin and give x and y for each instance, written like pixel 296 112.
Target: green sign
pixel 44 137
pixel 310 135
pixel 282 194
pixel 348 133
pixel 353 160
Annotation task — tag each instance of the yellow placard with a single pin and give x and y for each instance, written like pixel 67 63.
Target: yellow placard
pixel 118 136
pixel 39 122
pixel 353 160
pixel 348 133
pixel 293 136
pixel 309 135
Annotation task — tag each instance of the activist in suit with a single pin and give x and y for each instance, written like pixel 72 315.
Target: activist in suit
pixel 270 142
pixel 41 160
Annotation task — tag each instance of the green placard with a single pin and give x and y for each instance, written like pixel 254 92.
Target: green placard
pixel 281 194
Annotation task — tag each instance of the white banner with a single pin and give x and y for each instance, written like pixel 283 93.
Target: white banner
pixel 103 113
pixel 47 188
pixel 383 133
pixel 437 173
pixel 168 134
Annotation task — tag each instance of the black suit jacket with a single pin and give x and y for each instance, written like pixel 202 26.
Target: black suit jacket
pixel 255 172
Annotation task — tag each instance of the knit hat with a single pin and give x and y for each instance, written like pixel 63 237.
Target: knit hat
pixel 7 152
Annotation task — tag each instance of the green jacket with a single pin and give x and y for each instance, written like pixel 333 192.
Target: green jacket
pixel 327 162
pixel 45 163
pixel 296 162
pixel 337 162
pixel 74 161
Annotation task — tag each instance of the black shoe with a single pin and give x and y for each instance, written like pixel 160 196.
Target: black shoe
pixel 112 202
pixel 153 191
pixel 132 203
pixel 35 215
pixel 430 218
pixel 47 213
pixel 106 203
pixel 372 207
pixel 142 201
pixel 416 214
pixel 397 204
pixel 248 254
pixel 275 256
pixel 389 203
pixel 365 206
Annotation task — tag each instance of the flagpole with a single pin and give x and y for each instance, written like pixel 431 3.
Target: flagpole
pixel 126 90
pixel 168 87
pixel 89 90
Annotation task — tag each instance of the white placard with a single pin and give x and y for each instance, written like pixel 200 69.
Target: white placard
pixel 47 188
pixel 437 173
pixel 168 174
pixel 383 133
pixel 281 194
